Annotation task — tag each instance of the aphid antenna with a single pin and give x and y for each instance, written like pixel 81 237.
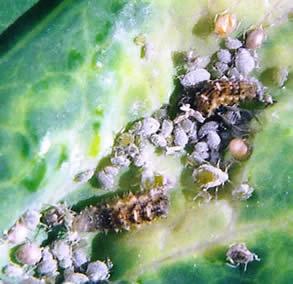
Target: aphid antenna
pixel 37 231
pixel 256 257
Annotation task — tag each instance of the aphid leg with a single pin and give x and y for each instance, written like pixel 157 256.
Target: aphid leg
pixel 232 265
pixel 205 195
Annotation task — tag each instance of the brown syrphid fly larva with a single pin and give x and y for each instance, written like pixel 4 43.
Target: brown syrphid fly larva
pixel 124 213
pixel 217 93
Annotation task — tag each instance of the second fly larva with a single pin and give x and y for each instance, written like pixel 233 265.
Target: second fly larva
pixel 217 93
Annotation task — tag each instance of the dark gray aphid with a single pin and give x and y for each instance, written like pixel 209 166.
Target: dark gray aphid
pixel 207 127
pixel 240 254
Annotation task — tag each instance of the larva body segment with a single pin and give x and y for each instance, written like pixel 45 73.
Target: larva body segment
pixel 223 93
pixel 124 213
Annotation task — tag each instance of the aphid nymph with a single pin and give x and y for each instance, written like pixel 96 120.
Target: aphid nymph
pixel 209 176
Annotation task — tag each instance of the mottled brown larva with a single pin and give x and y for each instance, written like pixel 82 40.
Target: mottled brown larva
pixel 124 213
pixel 223 93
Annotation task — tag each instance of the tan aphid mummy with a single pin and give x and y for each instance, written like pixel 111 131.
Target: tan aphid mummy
pixel 239 149
pixel 225 24
pixel 255 38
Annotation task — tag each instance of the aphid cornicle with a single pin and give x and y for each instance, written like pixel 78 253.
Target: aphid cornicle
pixel 223 93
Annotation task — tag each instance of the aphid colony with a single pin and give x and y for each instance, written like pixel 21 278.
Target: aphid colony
pixel 208 119
pixel 207 122
pixel 64 259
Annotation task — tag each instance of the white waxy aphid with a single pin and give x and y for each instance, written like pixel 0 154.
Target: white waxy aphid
pixel 31 219
pixel 200 153
pixel 192 135
pixel 167 128
pixel 84 222
pixel 132 150
pixel 213 140
pixel 13 271
pixel 224 56
pixel 79 257
pixel 194 61
pixel 195 76
pixel 84 176
pixel 198 157
pixel 98 271
pixel 61 250
pixel 244 62
pixel 268 99
pixel 159 140
pixel 149 126
pixel 72 237
pixel 161 113
pixel 29 253
pixel 282 76
pixel 57 215
pixel 189 112
pixel 207 127
pixel 180 137
pixel 242 192
pixel 106 180
pixel 18 233
pixel 221 68
pixel 209 176
pixel 48 265
pixel 240 254
pixel 110 170
pixel 201 147
pixel 32 280
pixel 120 161
pixel 66 263
pixel 234 73
pixel 173 150
pixel 136 127
pixel 232 43
pixel 147 177
pixel 76 278
pixel 187 125
pixel 140 160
